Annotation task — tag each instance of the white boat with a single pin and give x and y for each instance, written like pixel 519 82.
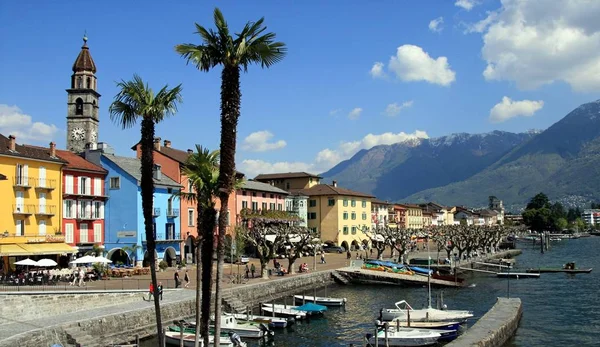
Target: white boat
pixel 272 322
pixel 403 310
pixel 174 338
pixel 283 311
pixel 320 300
pixel 407 337
pixel 249 330
pixel 517 274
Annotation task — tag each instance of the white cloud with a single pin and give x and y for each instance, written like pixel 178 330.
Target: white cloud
pixel 334 112
pixel 483 24
pixel 327 158
pixel 355 113
pixel 437 25
pixel 466 4
pixel 377 70
pixel 507 109
pixel 259 142
pixel 412 63
pixel 538 42
pixel 14 122
pixel 394 109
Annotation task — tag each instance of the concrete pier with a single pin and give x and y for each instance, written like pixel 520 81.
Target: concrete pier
pixel 495 327
pixel 358 275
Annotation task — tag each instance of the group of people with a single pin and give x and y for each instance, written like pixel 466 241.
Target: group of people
pixel 186 279
pixel 303 267
pixel 159 291
pixel 251 269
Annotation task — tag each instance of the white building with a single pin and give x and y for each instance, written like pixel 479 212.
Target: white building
pixel 591 216
pixel 379 214
pixel 298 204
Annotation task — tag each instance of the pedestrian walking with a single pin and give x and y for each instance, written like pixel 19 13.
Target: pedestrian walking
pixel 186 278
pixel 322 258
pixel 81 278
pixel 160 290
pixel 247 271
pixel 75 276
pixel 252 269
pixel 150 291
pixel 176 278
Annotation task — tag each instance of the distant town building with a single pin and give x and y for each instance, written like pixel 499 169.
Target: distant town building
pixel 290 181
pixel 495 204
pixel 591 216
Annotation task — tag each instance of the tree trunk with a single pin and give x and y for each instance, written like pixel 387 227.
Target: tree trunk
pixel 230 112
pixel 207 251
pixel 198 296
pixel 291 261
pixel 147 187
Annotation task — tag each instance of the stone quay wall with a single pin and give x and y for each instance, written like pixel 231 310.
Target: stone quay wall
pixel 47 304
pixel 495 328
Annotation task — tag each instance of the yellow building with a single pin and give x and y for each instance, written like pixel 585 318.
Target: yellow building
pixel 414 216
pixel 30 213
pixel 338 215
pixel 290 181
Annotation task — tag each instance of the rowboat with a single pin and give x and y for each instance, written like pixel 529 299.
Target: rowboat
pixel 272 322
pixel 518 274
pixel 174 338
pixel 403 310
pixel 407 337
pixel 320 300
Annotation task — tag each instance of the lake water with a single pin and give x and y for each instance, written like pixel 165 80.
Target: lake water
pixel 558 309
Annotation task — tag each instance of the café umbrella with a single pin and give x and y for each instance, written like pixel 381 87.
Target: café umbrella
pixel 87 259
pixel 102 260
pixel 46 262
pixel 26 262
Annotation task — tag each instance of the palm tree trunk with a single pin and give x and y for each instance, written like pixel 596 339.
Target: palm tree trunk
pixel 198 272
pixel 147 185
pixel 208 232
pixel 230 112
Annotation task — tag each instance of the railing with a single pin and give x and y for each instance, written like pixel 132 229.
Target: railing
pixel 172 212
pixel 22 181
pixel 46 210
pixel 23 209
pixel 156 211
pixel 85 216
pixel 45 184
pixel 64 284
pixel 69 189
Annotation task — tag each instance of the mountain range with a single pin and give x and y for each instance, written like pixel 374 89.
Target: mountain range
pixel 562 161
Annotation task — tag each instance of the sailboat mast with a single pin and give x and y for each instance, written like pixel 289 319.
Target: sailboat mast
pixel 428 274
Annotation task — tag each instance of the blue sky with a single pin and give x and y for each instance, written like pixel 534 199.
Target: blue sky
pixel 355 71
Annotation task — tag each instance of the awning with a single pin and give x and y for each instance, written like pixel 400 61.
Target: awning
pixel 12 250
pixel 48 248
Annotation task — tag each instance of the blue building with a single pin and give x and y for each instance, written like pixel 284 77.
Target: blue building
pixel 125 237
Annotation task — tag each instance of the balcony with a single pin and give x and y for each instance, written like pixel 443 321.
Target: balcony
pixel 86 216
pixel 45 184
pixel 23 210
pixel 22 182
pixel 172 212
pixel 71 190
pixel 156 212
pixel 45 210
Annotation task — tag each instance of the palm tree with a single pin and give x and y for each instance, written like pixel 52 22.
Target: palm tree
pixel 137 100
pixel 202 170
pixel 251 46
pixel 131 252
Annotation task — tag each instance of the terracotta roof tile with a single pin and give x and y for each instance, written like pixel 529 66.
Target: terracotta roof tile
pixel 27 151
pixel 76 162
pixel 326 189
pixel 84 61
pixel 275 176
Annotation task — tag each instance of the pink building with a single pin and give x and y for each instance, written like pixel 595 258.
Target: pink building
pixel 258 196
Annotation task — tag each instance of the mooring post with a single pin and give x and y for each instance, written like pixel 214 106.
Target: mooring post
pixel 164 334
pixel 315 295
pixel 386 326
pixel 181 333
pixel 376 336
pixel 137 340
pixel 273 307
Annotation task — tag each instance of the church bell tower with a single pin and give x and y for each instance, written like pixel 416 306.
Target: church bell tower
pixel 82 102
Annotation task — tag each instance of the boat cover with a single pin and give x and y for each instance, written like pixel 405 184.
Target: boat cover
pixel 311 307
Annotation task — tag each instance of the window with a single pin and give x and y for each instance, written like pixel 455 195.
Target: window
pixel 345 215
pixel 253 193
pixel 85 208
pixel 312 203
pixel 264 195
pixel 98 233
pixel 170 231
pixel 42 227
pixel 228 217
pixel 69 209
pixel 272 206
pixel 83 233
pixel 20 224
pixel 364 216
pixel 345 230
pixel 98 210
pixel 22 179
pixel 254 205
pixel 345 202
pixel 115 182
pixel 364 204
pixel 244 204
pixel 264 206
pixel 190 217
pixel 42 202
pixel 79 102
pixel 97 186
pixel 312 215
pixel 279 207
pixel 272 196
pixel 353 203
pixel 243 192
pixel 69 233
pixel 190 186
pixel 287 185
pixel 353 230
pixel 85 185
pixel 331 202
pixel 353 215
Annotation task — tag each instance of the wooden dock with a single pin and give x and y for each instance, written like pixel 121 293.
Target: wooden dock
pixel 358 275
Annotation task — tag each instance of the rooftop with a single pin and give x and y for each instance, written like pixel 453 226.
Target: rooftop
pixel 132 166
pixel 26 151
pixel 84 61
pixel 262 187
pixel 276 176
pixel 381 202
pixel 326 189
pixel 76 162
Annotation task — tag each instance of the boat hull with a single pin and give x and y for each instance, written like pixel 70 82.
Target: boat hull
pixel 272 322
pixel 425 315
pixel 569 271
pixel 173 338
pixel 407 337
pixel 518 275
pixel 332 302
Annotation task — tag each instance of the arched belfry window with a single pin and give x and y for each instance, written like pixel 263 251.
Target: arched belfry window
pixel 89 83
pixel 79 106
pixel 79 82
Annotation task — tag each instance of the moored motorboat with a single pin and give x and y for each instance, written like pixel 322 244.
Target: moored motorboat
pixel 407 337
pixel 279 311
pixel 320 300
pixel 272 322
pixel 449 330
pixel 403 310
pixel 174 338
pixel 567 268
pixel 518 274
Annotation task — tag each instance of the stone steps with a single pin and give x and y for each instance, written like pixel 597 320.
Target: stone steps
pixel 339 278
pixel 233 303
